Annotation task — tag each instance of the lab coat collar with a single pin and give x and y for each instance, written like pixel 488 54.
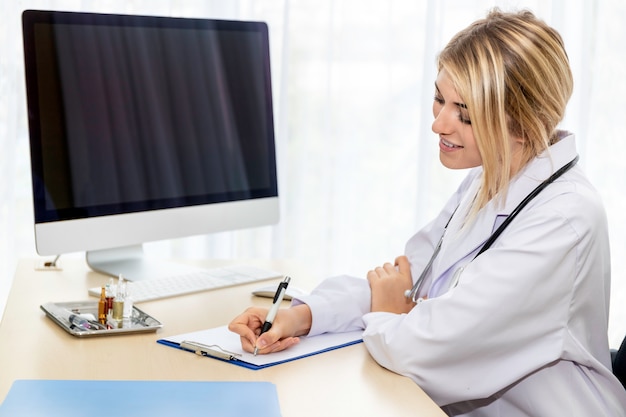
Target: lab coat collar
pixel 460 242
pixel 538 170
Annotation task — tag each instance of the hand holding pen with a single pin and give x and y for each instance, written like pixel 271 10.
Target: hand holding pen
pixel 271 315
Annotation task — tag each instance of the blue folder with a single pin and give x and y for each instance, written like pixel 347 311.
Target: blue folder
pixel 81 398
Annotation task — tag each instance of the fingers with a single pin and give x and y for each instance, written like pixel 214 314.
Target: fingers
pixel 382 271
pixel 247 325
pixel 389 268
pixel 403 265
pixel 267 343
pixel 388 284
pixel 288 324
pixel 246 345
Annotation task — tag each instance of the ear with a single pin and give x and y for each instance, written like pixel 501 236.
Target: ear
pixel 518 140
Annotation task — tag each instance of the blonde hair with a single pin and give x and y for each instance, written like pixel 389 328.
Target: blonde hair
pixel 512 72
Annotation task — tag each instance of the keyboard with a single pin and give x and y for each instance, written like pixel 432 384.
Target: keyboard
pixel 192 282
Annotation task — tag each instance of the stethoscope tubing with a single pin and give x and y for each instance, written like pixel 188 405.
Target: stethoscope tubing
pixel 412 294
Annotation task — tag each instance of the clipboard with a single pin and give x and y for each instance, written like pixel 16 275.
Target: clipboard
pixel 222 344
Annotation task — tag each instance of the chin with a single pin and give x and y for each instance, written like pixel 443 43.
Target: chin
pixel 449 163
pixel 452 163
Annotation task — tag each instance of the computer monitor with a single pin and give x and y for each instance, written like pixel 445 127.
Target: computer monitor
pixel 146 128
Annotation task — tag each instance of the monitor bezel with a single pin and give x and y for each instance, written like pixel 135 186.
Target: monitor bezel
pixel 57 232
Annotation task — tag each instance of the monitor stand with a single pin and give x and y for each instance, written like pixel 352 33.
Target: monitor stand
pixel 131 262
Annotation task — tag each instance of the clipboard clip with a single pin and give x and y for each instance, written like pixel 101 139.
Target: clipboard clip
pixel 209 350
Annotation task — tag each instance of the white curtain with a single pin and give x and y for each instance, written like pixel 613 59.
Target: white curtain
pixel 353 84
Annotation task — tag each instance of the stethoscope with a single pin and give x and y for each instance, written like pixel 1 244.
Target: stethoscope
pixel 412 294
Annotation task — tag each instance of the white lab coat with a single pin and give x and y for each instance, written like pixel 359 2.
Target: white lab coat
pixel 524 333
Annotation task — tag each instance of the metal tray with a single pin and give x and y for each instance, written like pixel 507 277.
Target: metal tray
pixel 62 313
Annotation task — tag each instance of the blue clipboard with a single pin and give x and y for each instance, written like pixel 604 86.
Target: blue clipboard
pixel 221 344
pixel 80 398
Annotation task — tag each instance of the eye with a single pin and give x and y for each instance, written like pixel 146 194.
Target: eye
pixel 439 99
pixel 463 114
pixel 464 118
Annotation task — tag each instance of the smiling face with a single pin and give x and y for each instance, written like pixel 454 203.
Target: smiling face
pixel 457 145
pixel 511 73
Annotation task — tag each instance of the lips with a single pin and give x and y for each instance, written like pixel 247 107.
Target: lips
pixel 449 145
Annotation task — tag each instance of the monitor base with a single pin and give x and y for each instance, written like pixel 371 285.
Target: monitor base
pixel 133 265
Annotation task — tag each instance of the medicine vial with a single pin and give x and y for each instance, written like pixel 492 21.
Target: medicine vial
pixel 102 316
pixel 118 301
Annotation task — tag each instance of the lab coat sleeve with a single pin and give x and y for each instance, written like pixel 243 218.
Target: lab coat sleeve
pixel 337 305
pixel 510 313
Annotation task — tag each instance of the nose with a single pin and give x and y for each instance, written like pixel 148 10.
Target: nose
pixel 441 123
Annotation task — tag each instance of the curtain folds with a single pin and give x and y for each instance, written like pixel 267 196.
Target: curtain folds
pixel 353 85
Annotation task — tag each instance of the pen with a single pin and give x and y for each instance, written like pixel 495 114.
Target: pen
pixel 77 320
pixel 85 324
pixel 278 298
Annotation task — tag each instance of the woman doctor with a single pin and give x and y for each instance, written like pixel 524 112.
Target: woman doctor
pixel 521 328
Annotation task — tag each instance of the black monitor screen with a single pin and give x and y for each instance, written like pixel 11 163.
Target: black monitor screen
pixel 133 113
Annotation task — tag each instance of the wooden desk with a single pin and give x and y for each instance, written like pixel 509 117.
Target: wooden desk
pixel 344 382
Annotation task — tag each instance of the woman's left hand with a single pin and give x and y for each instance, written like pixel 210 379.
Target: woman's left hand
pixel 388 284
